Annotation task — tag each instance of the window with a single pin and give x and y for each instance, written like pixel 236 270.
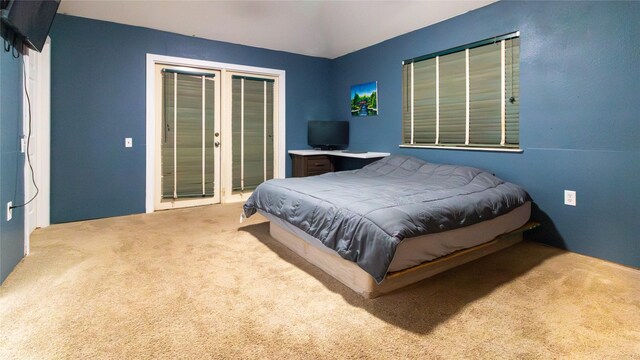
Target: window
pixel 464 97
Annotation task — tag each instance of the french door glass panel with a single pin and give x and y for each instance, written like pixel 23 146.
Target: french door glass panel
pixel 187 142
pixel 252 132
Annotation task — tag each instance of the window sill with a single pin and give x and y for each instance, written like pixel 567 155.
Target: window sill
pixel 469 148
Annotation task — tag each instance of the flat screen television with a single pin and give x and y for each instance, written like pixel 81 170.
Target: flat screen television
pixel 29 20
pixel 328 135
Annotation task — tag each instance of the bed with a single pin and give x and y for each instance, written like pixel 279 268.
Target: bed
pixel 394 222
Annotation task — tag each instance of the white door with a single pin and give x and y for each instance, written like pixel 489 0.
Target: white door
pixel 31 139
pixel 187 136
pixel 36 124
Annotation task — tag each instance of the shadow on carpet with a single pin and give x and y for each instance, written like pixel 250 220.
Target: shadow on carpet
pixel 421 307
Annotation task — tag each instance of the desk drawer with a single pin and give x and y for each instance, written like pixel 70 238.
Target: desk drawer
pixel 312 165
pixel 317 165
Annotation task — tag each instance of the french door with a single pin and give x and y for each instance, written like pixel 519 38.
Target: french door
pixel 216 132
pixel 187 136
pixel 253 135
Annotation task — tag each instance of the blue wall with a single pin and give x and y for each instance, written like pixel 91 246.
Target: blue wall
pixel 98 99
pixel 11 163
pixel 580 113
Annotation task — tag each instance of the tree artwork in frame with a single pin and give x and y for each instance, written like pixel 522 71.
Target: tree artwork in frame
pixel 364 99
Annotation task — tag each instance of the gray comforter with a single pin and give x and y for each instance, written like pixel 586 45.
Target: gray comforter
pixel 364 214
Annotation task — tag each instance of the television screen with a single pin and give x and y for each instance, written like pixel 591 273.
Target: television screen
pixel 328 135
pixel 30 20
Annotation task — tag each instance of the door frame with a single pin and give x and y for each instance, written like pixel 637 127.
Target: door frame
pixel 41 125
pixel 151 61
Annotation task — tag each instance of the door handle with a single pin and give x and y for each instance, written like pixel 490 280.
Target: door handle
pixel 216 144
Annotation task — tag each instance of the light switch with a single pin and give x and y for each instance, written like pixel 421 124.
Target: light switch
pixel 570 197
pixel 128 142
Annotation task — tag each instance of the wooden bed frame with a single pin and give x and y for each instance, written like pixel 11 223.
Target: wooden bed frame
pixel 351 275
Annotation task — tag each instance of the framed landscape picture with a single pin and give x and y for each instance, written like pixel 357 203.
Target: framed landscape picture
pixel 364 99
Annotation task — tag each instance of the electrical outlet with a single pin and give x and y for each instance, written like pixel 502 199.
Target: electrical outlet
pixel 9 210
pixel 128 142
pixel 570 197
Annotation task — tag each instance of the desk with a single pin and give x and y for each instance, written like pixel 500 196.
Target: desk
pixel 317 162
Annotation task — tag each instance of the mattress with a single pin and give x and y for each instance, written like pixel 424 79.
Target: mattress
pixel 417 250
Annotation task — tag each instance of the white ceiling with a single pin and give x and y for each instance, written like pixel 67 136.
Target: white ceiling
pixel 318 28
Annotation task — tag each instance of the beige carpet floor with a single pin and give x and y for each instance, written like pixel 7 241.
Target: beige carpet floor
pixel 195 283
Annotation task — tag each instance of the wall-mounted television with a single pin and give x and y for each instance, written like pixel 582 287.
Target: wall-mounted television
pixel 328 135
pixel 28 21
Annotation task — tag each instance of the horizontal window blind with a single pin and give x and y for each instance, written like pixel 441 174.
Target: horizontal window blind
pixel 512 89
pixel 424 95
pixel 252 109
pixel 187 140
pixel 452 99
pixel 466 96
